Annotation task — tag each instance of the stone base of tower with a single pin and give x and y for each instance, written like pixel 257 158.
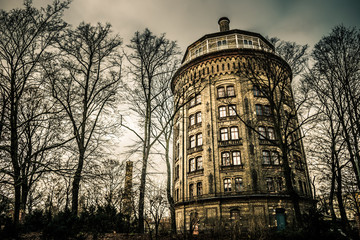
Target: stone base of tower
pixel 246 213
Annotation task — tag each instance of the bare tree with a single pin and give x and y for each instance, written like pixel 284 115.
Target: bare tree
pixel 334 81
pixel 157 207
pixel 84 82
pixel 271 76
pixel 151 58
pixel 26 35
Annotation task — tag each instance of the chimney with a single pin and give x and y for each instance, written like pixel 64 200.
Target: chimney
pixel 224 24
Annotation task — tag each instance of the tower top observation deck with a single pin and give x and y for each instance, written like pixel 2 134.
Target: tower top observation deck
pixel 226 39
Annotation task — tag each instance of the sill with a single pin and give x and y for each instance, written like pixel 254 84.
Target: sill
pixel 232 167
pixel 195 149
pixel 267 142
pixel 230 143
pixel 228 118
pixel 196 173
pixel 233 96
pixel 271 165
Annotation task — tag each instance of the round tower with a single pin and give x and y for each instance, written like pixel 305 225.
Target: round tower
pixel 227 160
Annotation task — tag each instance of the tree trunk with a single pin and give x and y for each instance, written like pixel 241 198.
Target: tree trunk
pixel 168 189
pixel 344 219
pixel 76 185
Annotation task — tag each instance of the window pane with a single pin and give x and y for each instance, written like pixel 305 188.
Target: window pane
pixel 257 92
pixel 238 184
pixel 191 190
pixel 227 185
pixel 198 99
pixel 262 133
pixel 221 92
pixel 230 91
pixel 199 188
pixel 192 102
pixel 271 134
pixel 232 110
pixel 270 184
pixel 192 120
pixel 199 139
pixel 258 109
pixel 275 158
pixel 266 110
pixel 225 156
pixel 199 163
pixel 280 184
pixel 234 133
pixel 192 164
pixel 192 141
pixel 222 111
pixel 236 158
pixel 266 157
pixel 224 134
pixel 198 117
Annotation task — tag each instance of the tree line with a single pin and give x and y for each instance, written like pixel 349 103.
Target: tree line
pixel 61 88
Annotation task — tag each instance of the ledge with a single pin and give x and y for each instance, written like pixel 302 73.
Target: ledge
pixel 230 143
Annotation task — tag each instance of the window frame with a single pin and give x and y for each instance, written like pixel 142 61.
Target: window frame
pixel 222 112
pixel 199 190
pixel 227 185
pixel 222 91
pixel 232 110
pixel 230 93
pixel 224 134
pixel 234 132
pixel 237 158
pixel 225 160
pixel 199 166
pixel 239 184
pixel 192 165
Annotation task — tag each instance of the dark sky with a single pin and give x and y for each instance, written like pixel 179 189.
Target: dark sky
pixel 303 21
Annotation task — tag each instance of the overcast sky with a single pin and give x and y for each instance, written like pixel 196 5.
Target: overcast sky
pixel 303 21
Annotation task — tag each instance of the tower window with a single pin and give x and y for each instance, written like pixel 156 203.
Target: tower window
pixel 191 191
pixel 225 158
pixel 230 91
pixel 262 132
pixel 198 117
pixel 270 184
pixel 222 111
pixel 221 92
pixel 199 163
pixel 192 120
pixel 235 215
pixel 270 133
pixel 192 141
pixel 192 164
pixel 238 184
pixel 236 157
pixel 257 92
pixel 266 157
pixel 199 189
pixel 224 134
pixel 227 185
pixel 234 131
pixel 199 139
pixel 232 110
